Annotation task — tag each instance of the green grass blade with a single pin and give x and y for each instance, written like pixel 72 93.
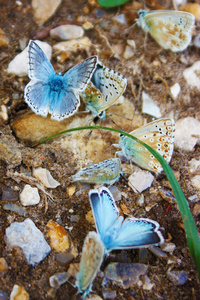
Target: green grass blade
pixel 188 221
pixel 111 3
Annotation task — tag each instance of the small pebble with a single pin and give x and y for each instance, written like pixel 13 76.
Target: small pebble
pixel 64 258
pixel 71 190
pixel 128 53
pixel 193 8
pixel 194 165
pixel 42 11
pixel 185 137
pixel 31 128
pixel 196 209
pixel 157 252
pixel 148 285
pixel 140 181
pixel 3 296
pixel 4 112
pixel 72 46
pixel 29 196
pixel 193 198
pixel 67 32
pixel 9 194
pixel 192 75
pixel 168 247
pixel 117 195
pixel 19 293
pixel 30 239
pixel 10 154
pixel 149 107
pixel 46 178
pixel 125 209
pixel 196 181
pixel 175 90
pixel 177 277
pixel 109 294
pixel 3 39
pixel 59 239
pixel 121 19
pixel 140 200
pixel 74 218
pixel 58 279
pixel 197 41
pixel 125 274
pixel 15 208
pixel 89 217
pixel 3 266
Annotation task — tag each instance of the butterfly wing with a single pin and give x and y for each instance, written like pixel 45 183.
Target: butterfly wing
pixel 64 104
pixel 138 233
pixel 104 172
pixel 159 135
pixel 171 29
pixel 104 210
pixel 37 96
pixel 37 91
pixel 77 78
pixel 39 67
pixel 111 85
pixel 91 259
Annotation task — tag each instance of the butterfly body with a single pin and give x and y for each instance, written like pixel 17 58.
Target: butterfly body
pixel 171 29
pixel 159 135
pixel 91 259
pixel 52 93
pixel 105 88
pixel 104 172
pixel 117 233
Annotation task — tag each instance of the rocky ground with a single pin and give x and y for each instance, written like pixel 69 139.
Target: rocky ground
pixel 61 210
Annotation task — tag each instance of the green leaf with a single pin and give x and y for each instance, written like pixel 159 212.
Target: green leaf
pixel 188 221
pixel 111 3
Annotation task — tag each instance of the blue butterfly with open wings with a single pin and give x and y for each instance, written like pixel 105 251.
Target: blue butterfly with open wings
pixel 48 92
pixel 117 233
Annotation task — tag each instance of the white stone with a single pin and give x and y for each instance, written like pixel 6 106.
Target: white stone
pixel 4 112
pixel 18 65
pixel 72 46
pixel 132 44
pixel 19 293
pixel 168 247
pixel 187 133
pixel 30 239
pixel 44 9
pixel 196 181
pixel 192 75
pixel 128 53
pixel 29 196
pixel 67 32
pixel 149 107
pixel 194 165
pixel 46 178
pixel 140 181
pixel 175 90
pixel 140 200
pixel 120 19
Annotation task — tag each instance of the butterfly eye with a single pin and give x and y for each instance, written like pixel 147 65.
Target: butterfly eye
pixel 121 135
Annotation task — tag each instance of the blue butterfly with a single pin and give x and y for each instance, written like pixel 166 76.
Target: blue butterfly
pixel 52 93
pixel 117 233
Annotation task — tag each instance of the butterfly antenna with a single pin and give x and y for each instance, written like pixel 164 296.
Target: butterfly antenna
pixel 115 124
pixel 166 86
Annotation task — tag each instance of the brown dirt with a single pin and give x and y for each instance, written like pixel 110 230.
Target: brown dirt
pixel 17 22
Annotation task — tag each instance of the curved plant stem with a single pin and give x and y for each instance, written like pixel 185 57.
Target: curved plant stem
pixel 188 221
